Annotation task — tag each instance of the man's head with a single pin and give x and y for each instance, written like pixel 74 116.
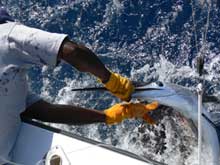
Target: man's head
pixel 4 16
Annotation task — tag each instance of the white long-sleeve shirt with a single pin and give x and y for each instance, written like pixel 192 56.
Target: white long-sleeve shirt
pixel 21 47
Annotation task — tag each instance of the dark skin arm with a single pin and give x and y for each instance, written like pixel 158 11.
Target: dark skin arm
pixel 84 60
pixel 65 114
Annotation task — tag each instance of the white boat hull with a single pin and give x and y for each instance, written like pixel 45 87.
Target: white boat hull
pixel 34 144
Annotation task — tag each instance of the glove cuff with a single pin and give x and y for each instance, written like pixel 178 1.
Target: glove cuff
pixel 114 114
pixel 112 82
pixel 109 119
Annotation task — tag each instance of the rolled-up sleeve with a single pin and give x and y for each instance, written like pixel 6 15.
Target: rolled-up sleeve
pixel 33 46
pixel 32 98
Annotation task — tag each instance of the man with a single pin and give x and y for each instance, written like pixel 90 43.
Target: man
pixel 21 47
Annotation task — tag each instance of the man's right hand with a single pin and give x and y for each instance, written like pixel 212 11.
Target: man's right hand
pixel 85 60
pixel 120 86
pixel 119 112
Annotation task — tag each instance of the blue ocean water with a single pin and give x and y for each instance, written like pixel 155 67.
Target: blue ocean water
pixel 141 39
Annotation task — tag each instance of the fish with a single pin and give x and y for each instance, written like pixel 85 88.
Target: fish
pixel 184 101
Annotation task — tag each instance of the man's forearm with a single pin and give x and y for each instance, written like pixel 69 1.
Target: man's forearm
pixel 83 59
pixel 65 114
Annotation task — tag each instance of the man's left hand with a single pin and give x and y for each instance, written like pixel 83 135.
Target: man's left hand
pixel 119 112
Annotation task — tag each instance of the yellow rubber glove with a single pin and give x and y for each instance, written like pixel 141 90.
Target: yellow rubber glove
pixel 120 86
pixel 119 112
